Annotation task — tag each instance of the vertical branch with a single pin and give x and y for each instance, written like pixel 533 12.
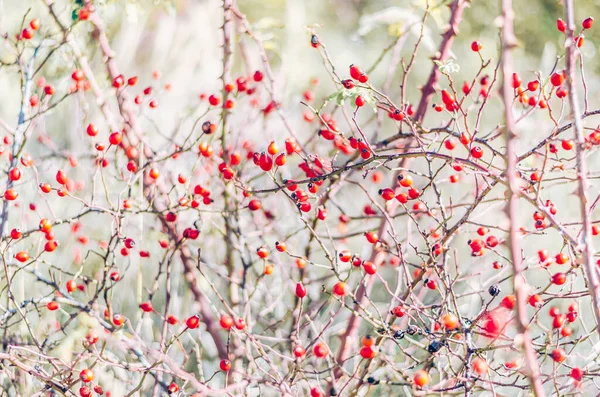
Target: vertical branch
pixel 129 116
pixel 262 52
pixel 227 214
pixel 227 62
pixel 226 78
pixel 19 137
pixel 456 11
pixel 586 240
pixel 377 257
pixel 520 284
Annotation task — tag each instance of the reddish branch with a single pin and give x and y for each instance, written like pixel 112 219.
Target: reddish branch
pixel 586 246
pixel 429 89
pixel 186 256
pixel 520 283
pixel 349 336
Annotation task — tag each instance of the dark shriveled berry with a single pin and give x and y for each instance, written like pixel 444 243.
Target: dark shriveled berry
pixel 314 40
pixel 494 290
pixel 435 346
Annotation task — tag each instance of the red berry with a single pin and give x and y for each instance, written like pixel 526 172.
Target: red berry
pixel 559 278
pixel 450 143
pixel 561 258
pixel 192 322
pixel 71 285
pixel 567 144
pixel 369 267
pixel 118 82
pixel 447 98
pixel 10 195
pixel 359 101
pixel 367 352
pixel 321 350
pixel 115 138
pixel 14 174
pixel 557 79
pixel 226 322
pixel 61 177
pixel 355 72
pixel 173 388
pixel 86 375
pixel 35 24
pixel 558 321
pixel 16 234
pixel 171 319
pixel 240 323
pixel 533 85
pixel 299 352
pixel 214 100
pixel 27 33
pixel 492 241
pixel 339 289
pixel 450 321
pixel 281 160
pixel 225 365
pixel 577 373
pixel 399 311
pixel 22 256
pixel 118 320
pixel 516 81
pixel 558 355
pixel 300 290
pixel 535 300
pixel 466 88
pixel 480 366
pixel 316 392
pixel 371 237
pixel 421 378
pixel 509 302
pixel 387 194
pixel 477 152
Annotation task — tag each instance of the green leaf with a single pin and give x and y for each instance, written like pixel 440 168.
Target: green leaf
pixel 448 66
pixel 340 96
pixel 332 96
